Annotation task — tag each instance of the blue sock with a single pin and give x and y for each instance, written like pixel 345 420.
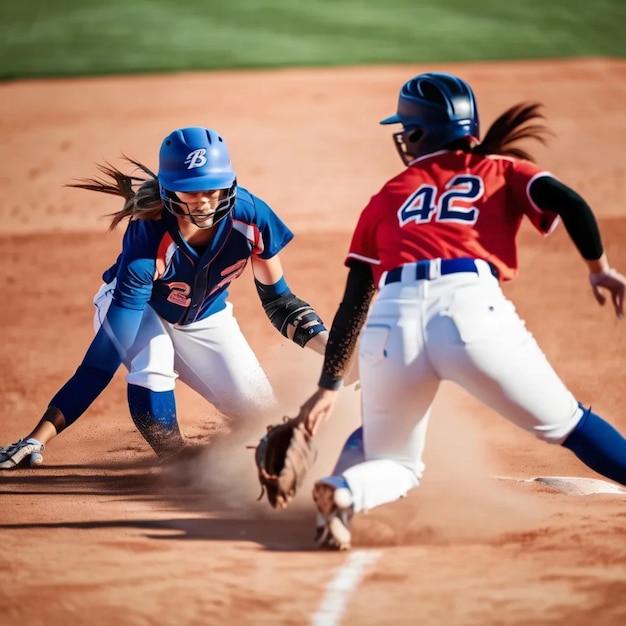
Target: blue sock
pixel 351 453
pixel 600 446
pixel 154 415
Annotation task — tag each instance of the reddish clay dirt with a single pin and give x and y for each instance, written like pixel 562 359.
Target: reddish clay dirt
pixel 101 535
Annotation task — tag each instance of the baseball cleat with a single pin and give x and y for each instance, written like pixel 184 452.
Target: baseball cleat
pixel 335 510
pixel 24 450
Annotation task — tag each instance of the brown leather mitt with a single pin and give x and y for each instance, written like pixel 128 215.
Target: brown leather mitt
pixel 283 457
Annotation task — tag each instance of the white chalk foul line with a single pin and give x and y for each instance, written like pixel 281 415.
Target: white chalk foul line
pixel 342 586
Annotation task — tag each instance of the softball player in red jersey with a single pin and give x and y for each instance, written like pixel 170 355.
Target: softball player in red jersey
pixel 436 241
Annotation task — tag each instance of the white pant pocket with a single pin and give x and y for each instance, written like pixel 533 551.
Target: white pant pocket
pixel 373 343
pixel 485 319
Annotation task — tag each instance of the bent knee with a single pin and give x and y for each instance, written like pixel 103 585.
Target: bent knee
pixel 557 432
pixel 153 367
pixel 154 381
pixel 245 407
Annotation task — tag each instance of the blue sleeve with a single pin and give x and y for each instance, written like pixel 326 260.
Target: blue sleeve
pixel 275 234
pixel 136 266
pixel 104 356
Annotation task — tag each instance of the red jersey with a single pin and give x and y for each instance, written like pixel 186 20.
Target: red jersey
pixel 450 204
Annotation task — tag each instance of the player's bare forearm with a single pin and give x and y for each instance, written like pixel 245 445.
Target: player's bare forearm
pixel 596 266
pixel 49 426
pixel 318 343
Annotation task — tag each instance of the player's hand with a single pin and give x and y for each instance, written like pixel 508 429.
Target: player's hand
pixel 613 282
pixel 317 409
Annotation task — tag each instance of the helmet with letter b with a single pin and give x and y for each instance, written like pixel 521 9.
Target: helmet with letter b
pixel 435 109
pixel 192 160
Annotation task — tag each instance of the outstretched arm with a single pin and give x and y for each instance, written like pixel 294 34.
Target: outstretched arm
pixel 550 194
pixel 342 341
pixel 103 358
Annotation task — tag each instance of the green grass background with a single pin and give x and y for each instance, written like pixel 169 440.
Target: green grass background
pixel 41 38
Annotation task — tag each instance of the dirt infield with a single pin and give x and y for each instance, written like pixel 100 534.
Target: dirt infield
pixel 100 535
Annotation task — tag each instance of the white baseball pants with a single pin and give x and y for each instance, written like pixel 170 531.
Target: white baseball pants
pixel 457 327
pixel 211 356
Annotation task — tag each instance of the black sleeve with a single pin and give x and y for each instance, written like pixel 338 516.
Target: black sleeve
pixel 347 324
pixel 551 195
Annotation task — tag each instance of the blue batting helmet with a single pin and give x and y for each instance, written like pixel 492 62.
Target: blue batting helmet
pixel 439 108
pixel 195 159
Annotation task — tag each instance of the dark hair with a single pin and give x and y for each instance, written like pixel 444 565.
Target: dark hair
pixel 142 196
pixel 516 123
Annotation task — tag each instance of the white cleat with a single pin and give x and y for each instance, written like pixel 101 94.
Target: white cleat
pixel 335 510
pixel 24 450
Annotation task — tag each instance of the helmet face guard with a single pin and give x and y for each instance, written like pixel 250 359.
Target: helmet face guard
pixel 192 160
pixel 404 141
pixel 203 219
pixel 434 109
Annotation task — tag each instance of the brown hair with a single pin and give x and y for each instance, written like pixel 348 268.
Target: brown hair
pixel 516 123
pixel 142 196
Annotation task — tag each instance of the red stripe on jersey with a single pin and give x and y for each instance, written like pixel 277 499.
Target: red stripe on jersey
pixel 252 233
pixel 161 257
pixel 450 205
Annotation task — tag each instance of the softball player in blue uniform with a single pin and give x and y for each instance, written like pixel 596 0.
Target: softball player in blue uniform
pixel 163 309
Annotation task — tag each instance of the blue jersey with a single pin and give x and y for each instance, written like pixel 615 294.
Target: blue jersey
pixel 158 267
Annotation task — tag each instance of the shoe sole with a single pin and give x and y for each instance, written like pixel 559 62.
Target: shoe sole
pixel 331 533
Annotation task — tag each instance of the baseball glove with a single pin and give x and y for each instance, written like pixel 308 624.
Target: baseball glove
pixel 283 457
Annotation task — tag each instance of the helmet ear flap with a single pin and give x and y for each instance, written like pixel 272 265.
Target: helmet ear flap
pixel 416 135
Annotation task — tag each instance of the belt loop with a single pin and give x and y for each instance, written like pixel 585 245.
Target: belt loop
pixel 483 268
pixel 434 269
pixel 408 272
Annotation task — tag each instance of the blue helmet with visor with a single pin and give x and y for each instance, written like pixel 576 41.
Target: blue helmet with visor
pixel 193 160
pixel 435 109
